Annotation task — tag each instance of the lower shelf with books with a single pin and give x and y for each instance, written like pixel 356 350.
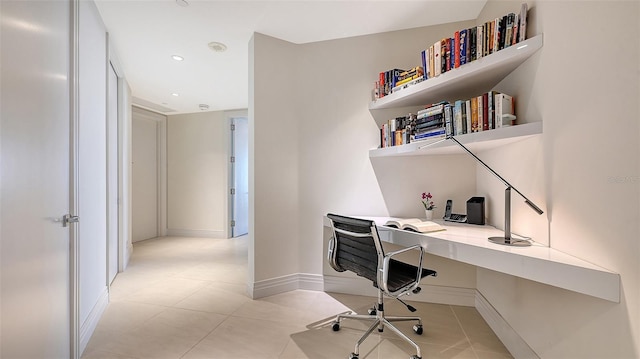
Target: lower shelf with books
pixel 468 243
pixel 477 141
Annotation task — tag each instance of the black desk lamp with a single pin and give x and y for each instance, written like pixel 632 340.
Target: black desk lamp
pixel 506 240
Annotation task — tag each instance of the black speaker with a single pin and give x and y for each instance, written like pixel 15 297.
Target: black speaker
pixel 475 210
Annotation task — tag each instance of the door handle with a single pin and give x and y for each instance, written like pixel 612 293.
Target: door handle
pixel 67 218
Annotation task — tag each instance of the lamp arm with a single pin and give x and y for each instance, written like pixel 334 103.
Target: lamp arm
pixel 527 200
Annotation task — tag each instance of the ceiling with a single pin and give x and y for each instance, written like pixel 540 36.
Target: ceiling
pixel 146 33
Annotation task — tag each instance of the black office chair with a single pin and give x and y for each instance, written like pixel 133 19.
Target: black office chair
pixel 355 246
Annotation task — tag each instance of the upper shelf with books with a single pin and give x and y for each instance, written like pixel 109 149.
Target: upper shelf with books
pixel 468 80
pixel 476 141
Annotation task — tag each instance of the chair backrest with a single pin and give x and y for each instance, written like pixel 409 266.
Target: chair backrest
pixel 355 247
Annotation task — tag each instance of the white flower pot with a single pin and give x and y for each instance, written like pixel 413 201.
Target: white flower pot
pixel 429 213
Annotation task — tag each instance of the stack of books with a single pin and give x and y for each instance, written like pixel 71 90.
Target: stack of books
pixel 430 122
pixel 464 46
pixel 485 112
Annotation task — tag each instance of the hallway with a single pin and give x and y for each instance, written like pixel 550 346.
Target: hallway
pixel 185 298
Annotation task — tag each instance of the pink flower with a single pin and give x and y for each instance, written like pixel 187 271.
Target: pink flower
pixel 426 201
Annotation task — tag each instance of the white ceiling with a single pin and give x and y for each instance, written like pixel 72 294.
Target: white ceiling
pixel 146 33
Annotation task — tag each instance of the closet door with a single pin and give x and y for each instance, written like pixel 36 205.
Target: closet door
pixel 144 176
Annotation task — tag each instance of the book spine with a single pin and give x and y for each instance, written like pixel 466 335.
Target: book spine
pixel 448 120
pixel 522 31
pixel 485 112
pixel 463 47
pixel 516 24
pixel 431 58
pixel 470 37
pixel 445 54
pixel 496 34
pixel 424 64
pixel 452 54
pixel 456 47
pixel 479 42
pixel 468 110
pixel 437 59
pixel 492 110
pixel 508 32
pixel 474 114
pixel 457 115
pixel 430 111
pixel 480 114
pixel 407 84
pixel 440 132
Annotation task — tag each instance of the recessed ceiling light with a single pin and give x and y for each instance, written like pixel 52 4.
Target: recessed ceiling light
pixel 175 94
pixel 182 3
pixel 217 46
pixel 177 57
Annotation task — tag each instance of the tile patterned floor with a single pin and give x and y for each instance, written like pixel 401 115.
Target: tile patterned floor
pixel 185 298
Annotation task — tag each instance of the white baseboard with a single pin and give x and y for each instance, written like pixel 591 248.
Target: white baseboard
pixel 89 326
pixel 172 232
pixel 267 287
pixel 509 337
pixel 430 293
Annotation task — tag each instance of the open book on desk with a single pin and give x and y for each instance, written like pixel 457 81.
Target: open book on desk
pixel 415 225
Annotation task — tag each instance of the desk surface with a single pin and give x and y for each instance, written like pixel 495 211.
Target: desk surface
pixel 469 244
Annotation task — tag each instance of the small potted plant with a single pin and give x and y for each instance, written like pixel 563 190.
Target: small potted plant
pixel 428 204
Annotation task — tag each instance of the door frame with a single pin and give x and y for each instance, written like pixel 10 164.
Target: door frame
pixel 161 164
pixel 74 180
pixel 230 116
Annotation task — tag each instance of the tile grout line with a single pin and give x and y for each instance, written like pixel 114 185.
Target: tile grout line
pixel 464 331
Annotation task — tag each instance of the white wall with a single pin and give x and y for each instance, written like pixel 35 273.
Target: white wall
pixel 197 161
pixel 92 168
pixel 312 134
pixel 585 172
pixel 582 172
pixel 273 157
pixel 124 176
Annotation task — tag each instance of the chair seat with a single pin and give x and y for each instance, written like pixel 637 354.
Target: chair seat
pixel 402 274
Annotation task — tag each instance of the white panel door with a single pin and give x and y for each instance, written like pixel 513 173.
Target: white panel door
pixel 35 181
pixel 145 178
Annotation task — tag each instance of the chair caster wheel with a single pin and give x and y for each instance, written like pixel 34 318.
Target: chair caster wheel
pixel 371 311
pixel 353 356
pixel 335 326
pixel 417 329
pixel 415 357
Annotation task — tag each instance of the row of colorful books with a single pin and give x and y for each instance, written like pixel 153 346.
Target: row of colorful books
pixel 486 112
pixel 465 46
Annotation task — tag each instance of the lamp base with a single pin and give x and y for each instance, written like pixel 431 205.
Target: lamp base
pixel 509 242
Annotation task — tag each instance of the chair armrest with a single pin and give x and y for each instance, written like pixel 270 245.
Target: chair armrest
pixel 385 269
pixel 331 255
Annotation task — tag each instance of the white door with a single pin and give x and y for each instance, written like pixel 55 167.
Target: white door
pixel 240 153
pixel 144 170
pixel 112 172
pixel 35 182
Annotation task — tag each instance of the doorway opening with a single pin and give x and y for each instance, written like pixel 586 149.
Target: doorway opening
pixel 239 177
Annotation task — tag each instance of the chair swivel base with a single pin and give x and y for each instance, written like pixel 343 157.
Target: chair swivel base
pixel 380 322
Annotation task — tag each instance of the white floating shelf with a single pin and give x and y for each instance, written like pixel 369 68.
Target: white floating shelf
pixel 467 80
pixel 477 142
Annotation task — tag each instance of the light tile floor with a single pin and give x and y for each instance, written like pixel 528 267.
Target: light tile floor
pixel 185 298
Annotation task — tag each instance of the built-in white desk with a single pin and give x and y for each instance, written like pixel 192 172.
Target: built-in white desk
pixel 468 243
